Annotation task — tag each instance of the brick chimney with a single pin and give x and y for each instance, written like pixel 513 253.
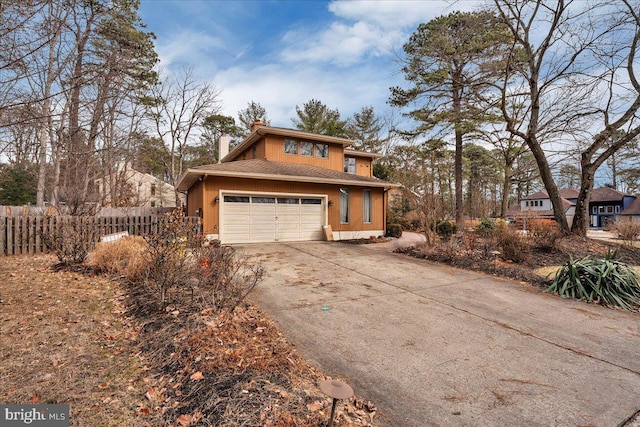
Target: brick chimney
pixel 223 149
pixel 256 124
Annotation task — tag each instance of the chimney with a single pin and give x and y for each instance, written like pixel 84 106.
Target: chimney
pixel 223 150
pixel 256 124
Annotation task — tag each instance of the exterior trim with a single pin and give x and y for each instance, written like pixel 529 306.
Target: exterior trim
pixel 355 183
pixel 349 235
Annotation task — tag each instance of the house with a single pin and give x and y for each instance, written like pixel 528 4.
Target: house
pixel 282 185
pixel 538 205
pixel 605 204
pixel 127 186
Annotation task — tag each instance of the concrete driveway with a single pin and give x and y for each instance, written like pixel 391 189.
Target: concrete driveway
pixel 433 345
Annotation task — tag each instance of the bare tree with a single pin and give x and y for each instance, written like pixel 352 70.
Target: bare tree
pixel 566 64
pixel 180 105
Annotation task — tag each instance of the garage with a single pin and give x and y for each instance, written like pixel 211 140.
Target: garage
pixel 255 218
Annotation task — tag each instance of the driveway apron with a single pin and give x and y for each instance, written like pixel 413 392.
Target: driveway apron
pixel 434 345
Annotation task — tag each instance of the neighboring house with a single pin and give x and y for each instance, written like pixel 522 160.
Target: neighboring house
pixel 538 205
pixel 129 187
pixel 288 185
pixel 605 204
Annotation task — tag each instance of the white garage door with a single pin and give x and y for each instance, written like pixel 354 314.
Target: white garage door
pixel 260 218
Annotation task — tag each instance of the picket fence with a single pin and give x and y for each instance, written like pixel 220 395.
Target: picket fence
pixel 23 235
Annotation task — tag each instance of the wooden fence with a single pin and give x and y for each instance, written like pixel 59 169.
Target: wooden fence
pixel 23 235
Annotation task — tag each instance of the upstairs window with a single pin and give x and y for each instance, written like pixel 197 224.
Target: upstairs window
pixel 290 146
pixel 153 189
pixel 306 148
pixel 350 164
pixel 322 151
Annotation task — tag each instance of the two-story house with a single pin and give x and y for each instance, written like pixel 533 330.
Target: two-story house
pixel 126 186
pixel 288 185
pixel 604 206
pixel 538 205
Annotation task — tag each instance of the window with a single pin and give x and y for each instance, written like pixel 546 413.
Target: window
pixel 617 209
pixel 594 209
pixel 322 151
pixel 236 199
pixel 609 209
pixel 526 203
pixel 600 209
pixel 311 201
pixel 153 189
pixel 288 201
pixel 263 199
pixel 366 206
pixel 290 146
pixel 153 204
pixel 344 205
pixel 306 148
pixel 254 152
pixel 350 164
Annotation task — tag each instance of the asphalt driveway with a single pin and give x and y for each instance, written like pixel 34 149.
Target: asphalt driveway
pixel 433 345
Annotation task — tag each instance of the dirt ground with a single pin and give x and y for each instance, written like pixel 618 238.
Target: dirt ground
pixel 94 343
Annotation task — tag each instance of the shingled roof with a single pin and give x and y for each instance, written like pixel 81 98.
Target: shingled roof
pixel 633 208
pixel 278 171
pixel 606 194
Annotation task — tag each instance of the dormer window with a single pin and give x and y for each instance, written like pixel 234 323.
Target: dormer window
pixel 291 146
pixel 306 148
pixel 350 164
pixel 322 151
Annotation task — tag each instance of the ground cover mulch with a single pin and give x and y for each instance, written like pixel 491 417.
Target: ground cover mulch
pixel 102 347
pixel 483 256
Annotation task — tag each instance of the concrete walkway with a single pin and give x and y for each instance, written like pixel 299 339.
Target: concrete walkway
pixel 433 345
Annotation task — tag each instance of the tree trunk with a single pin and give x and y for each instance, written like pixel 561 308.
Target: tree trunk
pixel 581 218
pixel 506 189
pixel 457 107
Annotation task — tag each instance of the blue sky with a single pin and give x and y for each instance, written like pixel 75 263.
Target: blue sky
pixel 284 53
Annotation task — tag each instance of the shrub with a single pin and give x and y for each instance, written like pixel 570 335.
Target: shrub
pixel 71 241
pixel 226 277
pixel 604 281
pixel 394 230
pixel 628 230
pixel 486 227
pixel 514 245
pixel 123 256
pixel 545 234
pixel 446 229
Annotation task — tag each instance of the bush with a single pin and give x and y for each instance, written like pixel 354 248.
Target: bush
pixel 628 230
pixel 545 234
pixel 123 256
pixel 394 230
pixel 70 241
pixel 226 277
pixel 514 245
pixel 603 281
pixel 446 229
pixel 486 227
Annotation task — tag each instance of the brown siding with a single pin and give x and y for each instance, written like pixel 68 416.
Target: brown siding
pixel 363 167
pixel 194 198
pixel 215 184
pixel 274 151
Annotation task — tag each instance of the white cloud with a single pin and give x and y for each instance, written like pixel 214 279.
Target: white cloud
pixel 279 88
pixel 364 29
pixel 188 47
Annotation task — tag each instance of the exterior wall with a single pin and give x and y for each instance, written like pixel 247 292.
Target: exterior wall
pixel 194 200
pixel 139 186
pixel 213 185
pixel 274 150
pixel 248 153
pixel 363 167
pixel 529 205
